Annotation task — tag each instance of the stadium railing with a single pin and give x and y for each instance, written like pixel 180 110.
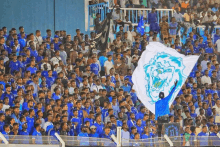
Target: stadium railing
pixel 86 141
pixel 101 8
pixel 26 141
pixel 50 141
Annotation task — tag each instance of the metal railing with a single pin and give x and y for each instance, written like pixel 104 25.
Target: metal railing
pixel 25 139
pixel 86 141
pixel 101 8
pixel 134 14
pixel 38 141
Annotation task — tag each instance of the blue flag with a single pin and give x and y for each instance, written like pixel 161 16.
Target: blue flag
pixel 140 27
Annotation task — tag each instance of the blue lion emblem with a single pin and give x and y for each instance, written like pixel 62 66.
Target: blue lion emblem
pixel 161 72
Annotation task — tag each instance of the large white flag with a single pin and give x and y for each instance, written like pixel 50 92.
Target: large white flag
pixel 158 68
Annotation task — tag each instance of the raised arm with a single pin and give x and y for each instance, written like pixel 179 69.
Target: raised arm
pixel 172 91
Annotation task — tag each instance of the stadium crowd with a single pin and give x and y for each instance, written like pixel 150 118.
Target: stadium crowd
pixel 59 84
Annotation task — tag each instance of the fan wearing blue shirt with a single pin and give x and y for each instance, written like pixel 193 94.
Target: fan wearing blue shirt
pixel 99 125
pixel 162 106
pixel 50 79
pixel 139 126
pixel 6 132
pixel 32 67
pixel 203 137
pixel 2 123
pixel 210 49
pixel 216 35
pixel 56 95
pixel 147 134
pixel 196 47
pixel 129 77
pixel 126 87
pixel 8 94
pixel 93 135
pixel 152 20
pixel 102 60
pixel 36 135
pixel 106 135
pixel 81 135
pixel 56 42
pixel 90 118
pixel 33 51
pixel 30 121
pixel 14 65
pixel 49 34
pixel 76 121
pixel 94 67
pixel 141 114
pixel 214 138
pixel 22 41
pixel 21 30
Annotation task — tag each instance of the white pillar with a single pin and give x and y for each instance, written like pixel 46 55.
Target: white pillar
pixel 60 139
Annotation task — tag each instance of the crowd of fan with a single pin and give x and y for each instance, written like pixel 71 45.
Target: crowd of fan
pixel 59 84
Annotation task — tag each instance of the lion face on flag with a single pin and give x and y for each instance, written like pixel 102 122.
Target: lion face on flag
pixel 162 70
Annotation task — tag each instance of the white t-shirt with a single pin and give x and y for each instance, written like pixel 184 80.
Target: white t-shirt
pixel 136 2
pixel 218 45
pixel 5 107
pixel 38 40
pixel 108 65
pixel 55 60
pixel 204 64
pixel 206 79
pixel 217 109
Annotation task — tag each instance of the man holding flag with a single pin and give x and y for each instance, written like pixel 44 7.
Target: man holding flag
pixel 159 67
pixel 162 106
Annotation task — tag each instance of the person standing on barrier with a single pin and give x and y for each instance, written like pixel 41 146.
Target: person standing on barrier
pixel 152 20
pixel 179 19
pixel 116 16
pixel 208 21
pixel 188 21
pixel 164 28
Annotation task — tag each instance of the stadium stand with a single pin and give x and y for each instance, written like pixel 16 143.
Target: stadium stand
pixel 58 84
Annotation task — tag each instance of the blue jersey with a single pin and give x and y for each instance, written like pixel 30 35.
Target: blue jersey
pixel 37 136
pixel 30 122
pixel 2 123
pixel 50 81
pixel 10 96
pixel 203 139
pixel 56 46
pixel 196 49
pixel 99 128
pixel 33 53
pixel 15 66
pixel 94 68
pixel 140 129
pixel 140 115
pixel 83 141
pixel 32 70
pixel 56 97
pixel 152 18
pixel 90 120
pixel 126 88
pixel 22 43
pixel 209 50
pixel 162 106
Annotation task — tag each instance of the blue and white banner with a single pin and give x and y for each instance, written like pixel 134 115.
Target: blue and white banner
pixel 158 68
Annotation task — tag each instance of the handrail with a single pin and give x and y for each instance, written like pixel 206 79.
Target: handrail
pixel 60 139
pixel 144 9
pixel 3 138
pixel 101 8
